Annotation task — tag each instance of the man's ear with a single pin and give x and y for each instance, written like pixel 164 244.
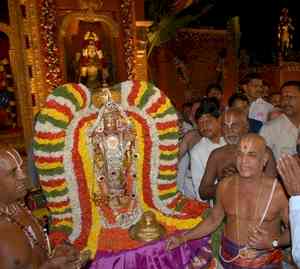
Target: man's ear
pixel 266 158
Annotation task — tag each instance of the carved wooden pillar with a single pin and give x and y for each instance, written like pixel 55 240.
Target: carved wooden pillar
pixel 162 68
pixel 141 63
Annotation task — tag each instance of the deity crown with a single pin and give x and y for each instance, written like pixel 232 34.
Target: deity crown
pixel 91 36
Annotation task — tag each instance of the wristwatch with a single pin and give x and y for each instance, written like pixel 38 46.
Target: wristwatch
pixel 275 243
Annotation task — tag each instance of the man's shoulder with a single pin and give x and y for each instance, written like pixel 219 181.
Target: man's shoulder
pixel 275 123
pixel 221 151
pixel 226 182
pixel 198 145
pixel 270 181
pixel 7 229
pixel 192 137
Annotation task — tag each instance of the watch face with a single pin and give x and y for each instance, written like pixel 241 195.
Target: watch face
pixel 275 243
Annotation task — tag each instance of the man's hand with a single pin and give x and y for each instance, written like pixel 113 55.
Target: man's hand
pixel 260 239
pixel 228 171
pixel 174 242
pixel 65 256
pixel 289 169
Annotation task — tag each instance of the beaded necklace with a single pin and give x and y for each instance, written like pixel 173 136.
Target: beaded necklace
pixel 9 213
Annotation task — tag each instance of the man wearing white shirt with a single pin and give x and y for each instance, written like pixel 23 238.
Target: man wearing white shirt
pixel 259 108
pixel 289 169
pixel 281 133
pixel 208 121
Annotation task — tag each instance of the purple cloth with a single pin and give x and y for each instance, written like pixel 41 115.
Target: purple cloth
pixel 155 256
pixel 231 249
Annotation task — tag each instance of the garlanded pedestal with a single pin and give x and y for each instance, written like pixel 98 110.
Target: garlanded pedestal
pixel 64 158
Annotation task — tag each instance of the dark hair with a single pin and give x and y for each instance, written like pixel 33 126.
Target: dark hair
pixel 237 96
pixel 250 77
pixel 215 87
pixel 274 93
pixel 294 83
pixel 208 106
pixel 266 83
pixel 187 104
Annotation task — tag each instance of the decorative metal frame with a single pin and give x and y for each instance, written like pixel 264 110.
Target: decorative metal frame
pixel 87 16
pixel 17 54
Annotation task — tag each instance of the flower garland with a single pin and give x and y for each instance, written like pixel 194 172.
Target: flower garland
pixel 49 47
pixel 158 125
pixel 63 155
pixel 49 145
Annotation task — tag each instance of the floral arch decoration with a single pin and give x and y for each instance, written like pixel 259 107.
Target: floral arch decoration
pixel 64 162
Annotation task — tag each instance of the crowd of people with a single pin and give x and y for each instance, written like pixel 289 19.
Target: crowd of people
pixel 242 158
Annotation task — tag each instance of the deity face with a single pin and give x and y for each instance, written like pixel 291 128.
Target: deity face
pixel 91 50
pixel 110 122
pixel 251 156
pixel 290 100
pixel 12 183
pixel 234 126
pixel 209 126
pixel 254 88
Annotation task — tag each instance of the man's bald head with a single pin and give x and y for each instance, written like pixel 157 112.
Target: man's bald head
pixel 252 156
pixel 8 154
pixel 12 176
pixel 234 125
pixel 252 139
pixel 4 156
pixel 236 113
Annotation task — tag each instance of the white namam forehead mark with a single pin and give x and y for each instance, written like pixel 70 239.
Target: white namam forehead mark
pixel 228 119
pixel 15 157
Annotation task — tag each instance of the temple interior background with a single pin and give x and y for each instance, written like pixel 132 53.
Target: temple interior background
pixel 182 49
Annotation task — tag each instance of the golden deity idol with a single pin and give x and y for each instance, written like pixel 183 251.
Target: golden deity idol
pixel 113 142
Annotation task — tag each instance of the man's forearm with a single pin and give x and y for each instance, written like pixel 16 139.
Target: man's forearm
pixel 285 238
pixel 206 227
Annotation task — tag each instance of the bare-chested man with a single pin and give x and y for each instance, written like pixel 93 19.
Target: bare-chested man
pixel 222 161
pixel 23 243
pixel 255 206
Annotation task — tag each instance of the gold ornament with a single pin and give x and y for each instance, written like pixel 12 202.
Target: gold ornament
pixel 147 229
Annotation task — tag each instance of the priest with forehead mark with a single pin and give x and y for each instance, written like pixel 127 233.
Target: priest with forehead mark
pixel 222 161
pixel 23 243
pixel 255 207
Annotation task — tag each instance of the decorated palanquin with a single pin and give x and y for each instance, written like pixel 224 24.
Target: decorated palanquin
pixel 107 164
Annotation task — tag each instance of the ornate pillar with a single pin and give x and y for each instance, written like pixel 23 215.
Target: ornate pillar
pixel 141 61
